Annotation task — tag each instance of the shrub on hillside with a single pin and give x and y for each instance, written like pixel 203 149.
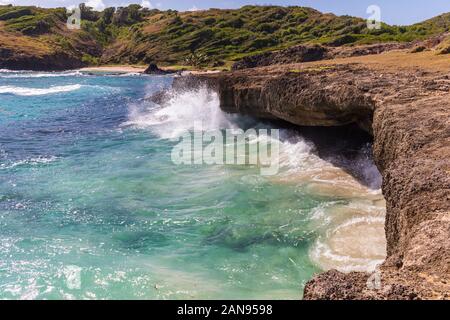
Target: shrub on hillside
pixel 261 43
pixel 444 46
pixel 14 14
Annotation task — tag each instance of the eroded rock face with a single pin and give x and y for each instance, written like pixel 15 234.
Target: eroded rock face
pixel 408 114
pixel 412 148
pixel 50 62
pixel 316 52
pixel 301 53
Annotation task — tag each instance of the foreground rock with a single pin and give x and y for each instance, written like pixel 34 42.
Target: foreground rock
pixel 403 100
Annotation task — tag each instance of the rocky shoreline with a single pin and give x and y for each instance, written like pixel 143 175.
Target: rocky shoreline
pixel 403 100
pixel 47 62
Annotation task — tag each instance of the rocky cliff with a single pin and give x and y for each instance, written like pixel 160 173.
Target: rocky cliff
pixel 403 100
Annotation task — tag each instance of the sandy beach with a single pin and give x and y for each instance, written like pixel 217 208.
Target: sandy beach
pixel 121 68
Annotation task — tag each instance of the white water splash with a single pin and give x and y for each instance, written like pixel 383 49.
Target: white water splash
pixel 179 113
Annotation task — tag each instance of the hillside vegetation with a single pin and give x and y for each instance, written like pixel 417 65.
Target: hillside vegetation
pixel 36 38
pixel 212 37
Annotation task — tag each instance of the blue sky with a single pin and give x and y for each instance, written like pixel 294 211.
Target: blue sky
pixel 392 11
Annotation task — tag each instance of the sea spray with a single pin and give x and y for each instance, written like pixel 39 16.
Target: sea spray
pixel 178 114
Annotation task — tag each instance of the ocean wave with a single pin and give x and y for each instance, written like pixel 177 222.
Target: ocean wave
pixel 12 71
pixel 354 244
pixel 25 74
pixel 30 161
pixel 131 74
pixel 180 114
pixel 24 91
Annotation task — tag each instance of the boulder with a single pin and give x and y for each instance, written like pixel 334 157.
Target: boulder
pixel 154 69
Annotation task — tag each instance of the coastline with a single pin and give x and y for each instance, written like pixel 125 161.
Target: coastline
pixel 141 69
pixel 99 201
pixel 405 107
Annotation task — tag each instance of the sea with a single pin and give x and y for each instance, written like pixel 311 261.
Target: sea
pixel 92 205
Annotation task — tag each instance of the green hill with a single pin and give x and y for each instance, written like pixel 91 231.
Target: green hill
pixel 212 37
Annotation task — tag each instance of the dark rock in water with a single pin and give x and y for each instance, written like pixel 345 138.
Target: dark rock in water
pixel 154 69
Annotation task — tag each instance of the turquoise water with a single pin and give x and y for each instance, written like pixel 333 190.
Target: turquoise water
pixel 92 207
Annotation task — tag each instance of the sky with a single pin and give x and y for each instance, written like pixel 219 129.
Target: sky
pixel 400 12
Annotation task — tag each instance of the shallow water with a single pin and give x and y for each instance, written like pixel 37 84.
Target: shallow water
pixel 91 205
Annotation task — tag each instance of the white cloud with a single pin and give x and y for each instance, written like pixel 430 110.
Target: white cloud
pixel 194 8
pixel 146 4
pixel 96 4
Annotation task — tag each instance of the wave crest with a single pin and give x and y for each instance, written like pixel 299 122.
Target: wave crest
pixel 31 161
pixel 26 74
pixel 24 91
pixel 179 113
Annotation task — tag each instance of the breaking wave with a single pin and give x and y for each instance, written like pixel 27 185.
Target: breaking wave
pixel 24 91
pixel 180 114
pixel 28 74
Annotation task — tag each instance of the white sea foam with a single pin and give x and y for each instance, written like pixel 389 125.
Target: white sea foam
pixel 25 74
pixel 12 71
pixel 24 91
pixel 30 161
pixel 131 74
pixel 354 245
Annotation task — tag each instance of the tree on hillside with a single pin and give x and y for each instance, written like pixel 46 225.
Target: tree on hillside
pixel 87 13
pixel 108 14
pixel 127 15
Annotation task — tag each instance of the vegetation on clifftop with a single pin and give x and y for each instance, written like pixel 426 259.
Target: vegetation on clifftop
pixel 205 38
